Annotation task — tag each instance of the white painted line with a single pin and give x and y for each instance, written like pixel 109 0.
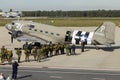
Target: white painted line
pixel 99 78
pixel 58 77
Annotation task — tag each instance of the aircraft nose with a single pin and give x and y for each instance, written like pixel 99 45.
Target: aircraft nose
pixel 8 26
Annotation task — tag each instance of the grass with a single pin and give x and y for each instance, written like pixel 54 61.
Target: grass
pixel 77 21
pixel 80 21
pixel 4 21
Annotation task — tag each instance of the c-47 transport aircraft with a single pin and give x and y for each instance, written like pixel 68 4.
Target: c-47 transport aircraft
pixel 32 31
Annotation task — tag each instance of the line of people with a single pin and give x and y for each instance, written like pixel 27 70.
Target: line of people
pixel 48 51
pixel 38 53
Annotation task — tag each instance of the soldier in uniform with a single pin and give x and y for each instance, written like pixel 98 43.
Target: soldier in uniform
pixel 67 49
pixel 82 46
pixel 10 55
pixel 56 49
pixel 51 50
pixel 6 54
pixel 2 54
pixel 38 54
pixel 47 49
pixel 43 51
pixel 25 46
pixel 73 49
pixel 19 53
pixel 2 49
pixel 27 54
pixel 34 52
pixel 62 48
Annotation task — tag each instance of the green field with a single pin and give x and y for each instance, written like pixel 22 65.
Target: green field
pixel 77 22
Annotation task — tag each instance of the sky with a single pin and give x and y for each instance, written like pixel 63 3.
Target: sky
pixel 30 5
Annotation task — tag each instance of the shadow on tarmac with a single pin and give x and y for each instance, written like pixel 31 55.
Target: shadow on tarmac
pixel 25 76
pixel 105 48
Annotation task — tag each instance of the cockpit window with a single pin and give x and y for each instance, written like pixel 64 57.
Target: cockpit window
pixel 30 26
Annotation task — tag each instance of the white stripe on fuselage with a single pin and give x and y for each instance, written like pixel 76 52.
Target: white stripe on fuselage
pixel 74 36
pixel 89 39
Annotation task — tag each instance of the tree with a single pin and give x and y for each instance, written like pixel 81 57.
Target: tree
pixel 11 10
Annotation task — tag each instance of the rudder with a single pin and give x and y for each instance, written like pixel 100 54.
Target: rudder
pixel 104 34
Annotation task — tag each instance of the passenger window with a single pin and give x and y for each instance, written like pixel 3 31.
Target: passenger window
pixel 46 31
pixel 41 31
pixel 58 34
pixel 52 33
pixel 30 29
pixel 35 29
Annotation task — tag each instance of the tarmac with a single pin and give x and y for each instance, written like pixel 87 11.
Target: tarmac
pixel 91 59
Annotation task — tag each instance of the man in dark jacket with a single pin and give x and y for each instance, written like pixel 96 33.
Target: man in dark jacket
pixel 82 46
pixel 14 70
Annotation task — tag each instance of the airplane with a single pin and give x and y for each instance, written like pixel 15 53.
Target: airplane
pixel 11 14
pixel 38 32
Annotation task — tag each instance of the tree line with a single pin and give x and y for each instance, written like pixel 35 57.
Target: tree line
pixel 59 13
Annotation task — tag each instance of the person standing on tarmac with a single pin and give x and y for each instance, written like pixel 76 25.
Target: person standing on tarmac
pixel 25 46
pixel 82 46
pixel 38 54
pixel 83 42
pixel 68 50
pixel 73 49
pixel 27 54
pixel 2 54
pixel 14 70
pixel 10 55
pixel 61 48
pixel 34 52
pixel 51 49
pixel 2 50
pixel 19 52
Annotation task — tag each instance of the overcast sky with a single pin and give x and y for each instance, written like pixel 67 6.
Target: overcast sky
pixel 21 5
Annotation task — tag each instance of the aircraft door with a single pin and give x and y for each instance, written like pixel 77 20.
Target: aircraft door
pixel 68 37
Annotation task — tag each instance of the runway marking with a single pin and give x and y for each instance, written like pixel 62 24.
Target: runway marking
pixel 58 77
pixel 99 78
pixel 65 72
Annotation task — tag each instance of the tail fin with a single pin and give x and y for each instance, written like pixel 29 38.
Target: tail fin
pixel 104 34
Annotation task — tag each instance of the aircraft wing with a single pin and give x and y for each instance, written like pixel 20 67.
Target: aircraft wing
pixel 27 37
